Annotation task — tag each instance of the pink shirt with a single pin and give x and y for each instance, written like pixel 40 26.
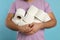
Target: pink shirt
pixel 41 4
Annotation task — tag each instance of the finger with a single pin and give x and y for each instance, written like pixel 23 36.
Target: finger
pixel 29 30
pixel 30 33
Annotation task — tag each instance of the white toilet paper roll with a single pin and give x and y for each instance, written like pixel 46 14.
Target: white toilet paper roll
pixel 18 16
pixel 42 16
pixel 29 18
pixel 20 12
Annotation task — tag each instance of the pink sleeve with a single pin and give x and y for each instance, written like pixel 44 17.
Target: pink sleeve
pixel 47 8
pixel 12 8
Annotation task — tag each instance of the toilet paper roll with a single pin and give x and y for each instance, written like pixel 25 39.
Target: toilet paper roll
pixel 29 18
pixel 18 15
pixel 42 16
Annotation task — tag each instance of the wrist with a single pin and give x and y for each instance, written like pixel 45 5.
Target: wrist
pixel 18 28
pixel 42 25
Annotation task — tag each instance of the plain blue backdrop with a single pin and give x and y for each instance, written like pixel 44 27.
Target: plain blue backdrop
pixel 7 34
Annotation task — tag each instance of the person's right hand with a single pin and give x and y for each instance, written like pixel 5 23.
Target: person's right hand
pixel 24 28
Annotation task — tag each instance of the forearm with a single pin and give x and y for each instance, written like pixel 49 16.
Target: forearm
pixel 49 24
pixel 11 25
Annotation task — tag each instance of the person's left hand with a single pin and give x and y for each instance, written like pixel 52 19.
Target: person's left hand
pixel 35 27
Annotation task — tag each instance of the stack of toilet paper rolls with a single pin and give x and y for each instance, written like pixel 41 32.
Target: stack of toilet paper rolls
pixel 33 15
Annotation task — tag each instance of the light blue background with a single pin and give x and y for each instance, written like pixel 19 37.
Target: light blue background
pixel 50 34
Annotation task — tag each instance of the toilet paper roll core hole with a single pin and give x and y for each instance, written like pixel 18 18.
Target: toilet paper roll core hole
pixel 19 17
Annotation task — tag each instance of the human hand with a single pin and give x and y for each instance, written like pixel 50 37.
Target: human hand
pixel 35 27
pixel 25 28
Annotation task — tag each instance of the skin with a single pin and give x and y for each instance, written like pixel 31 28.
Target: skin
pixel 30 28
pixel 28 0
